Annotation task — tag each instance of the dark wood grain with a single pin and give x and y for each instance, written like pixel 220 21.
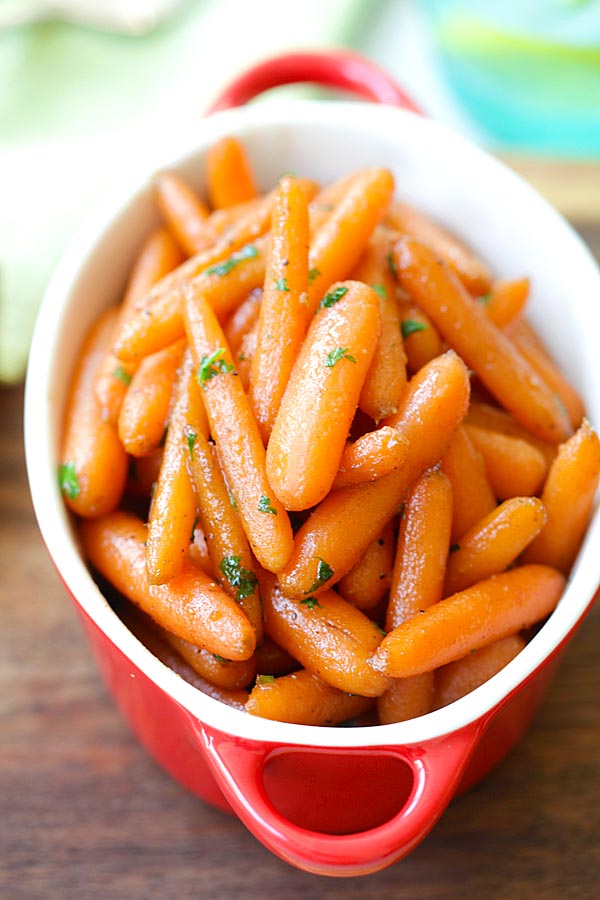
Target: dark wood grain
pixel 86 814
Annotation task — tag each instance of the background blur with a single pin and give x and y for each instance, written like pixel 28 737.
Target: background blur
pixel 92 91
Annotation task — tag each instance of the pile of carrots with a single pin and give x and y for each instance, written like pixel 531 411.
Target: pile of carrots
pixel 321 454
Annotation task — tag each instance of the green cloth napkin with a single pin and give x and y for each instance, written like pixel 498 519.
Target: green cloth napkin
pixel 81 109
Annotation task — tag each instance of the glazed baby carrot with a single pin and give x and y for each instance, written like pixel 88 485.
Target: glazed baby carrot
pixel 484 613
pixel 242 320
pixel 328 636
pixel 227 544
pixel 305 450
pixel 191 605
pixel 173 509
pixel 386 378
pixel 494 543
pixel 421 340
pixel 369 580
pixel 304 699
pixel 407 698
pixel 459 678
pixel 514 467
pixel 158 256
pixel 340 241
pixel 283 311
pixel 236 434
pixel 506 301
pixel 472 496
pixel 93 464
pixel 222 220
pixel 271 659
pixel 495 419
pixel 225 673
pixel 471 270
pixel 483 347
pixel 229 175
pixel 145 408
pixel 198 552
pixel 184 212
pixel 343 525
pixel 374 455
pixel 245 355
pixel 568 496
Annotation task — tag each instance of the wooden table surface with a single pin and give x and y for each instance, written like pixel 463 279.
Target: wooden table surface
pixel 86 814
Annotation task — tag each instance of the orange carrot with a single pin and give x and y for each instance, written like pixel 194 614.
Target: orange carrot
pixel 374 455
pixel 457 679
pixel 271 659
pixel 368 581
pixel 484 348
pixel 173 510
pixel 484 613
pixel 495 419
pixel 343 525
pixel 191 605
pixel 198 552
pixel 407 698
pixel 304 699
pixel 225 673
pixel 514 467
pixel 229 175
pixel 304 452
pixel 143 475
pixel 568 496
pixel 93 464
pixel 494 543
pixel 236 434
pixel 242 320
pixel 472 496
pixel 506 301
pixel 184 212
pixel 283 311
pixel 421 340
pixel 145 408
pixel 245 355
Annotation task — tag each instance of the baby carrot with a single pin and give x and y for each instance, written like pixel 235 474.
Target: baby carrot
pixel 368 581
pixel 506 301
pixel 421 340
pixel 340 241
pixel 374 455
pixel 328 636
pixel 191 605
pixel 304 450
pixel 225 673
pixel 457 679
pixel 236 434
pixel 484 613
pixel 514 467
pixel 494 543
pixel 304 699
pixel 145 408
pixel 158 256
pixel 93 464
pixel 229 175
pixel 472 272
pixel 222 220
pixel 386 378
pixel 242 320
pixel 407 698
pixel 485 348
pixel 198 552
pixel 495 419
pixel 568 496
pixel 173 509
pixel 343 525
pixel 184 212
pixel 271 659
pixel 243 358
pixel 472 496
pixel 283 312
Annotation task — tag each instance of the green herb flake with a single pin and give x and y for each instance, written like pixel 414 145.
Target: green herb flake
pixel 220 659
pixel 335 355
pixel 190 436
pixel 243 579
pixel 264 505
pixel 68 480
pixel 391 264
pixel 324 573
pixel 379 629
pixel 265 679
pixel 122 375
pixel 381 290
pixel 410 326
pixel 312 274
pixel 311 602
pixel 242 356
pixel 454 548
pixel 485 298
pixel 224 268
pixel 212 365
pixel 232 500
pixel 332 298
pixel 282 285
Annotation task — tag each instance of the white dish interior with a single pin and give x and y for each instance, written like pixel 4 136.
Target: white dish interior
pixel 479 199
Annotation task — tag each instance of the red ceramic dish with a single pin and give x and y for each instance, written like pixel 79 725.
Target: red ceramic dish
pixel 338 801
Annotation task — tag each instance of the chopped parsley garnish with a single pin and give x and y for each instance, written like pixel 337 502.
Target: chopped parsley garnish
pixel 190 436
pixel 123 375
pixel 380 289
pixel 220 659
pixel 311 602
pixel 241 356
pixel 454 548
pixel 333 297
pixel 212 365
pixel 68 480
pixel 232 500
pixel 282 285
pixel 485 298
pixel 379 629
pixel 243 579
pixel 410 326
pixel 312 274
pixel 225 267
pixel 324 573
pixel 264 505
pixel 391 264
pixel 265 679
pixel 335 355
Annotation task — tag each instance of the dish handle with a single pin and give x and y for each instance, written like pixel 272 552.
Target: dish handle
pixel 337 69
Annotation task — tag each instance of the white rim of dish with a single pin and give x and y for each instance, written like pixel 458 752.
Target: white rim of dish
pixel 54 520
